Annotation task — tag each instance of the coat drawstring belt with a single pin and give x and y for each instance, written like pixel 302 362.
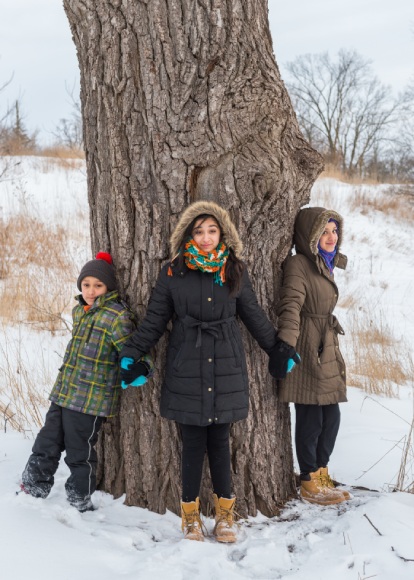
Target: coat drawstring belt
pixel 210 327
pixel 330 318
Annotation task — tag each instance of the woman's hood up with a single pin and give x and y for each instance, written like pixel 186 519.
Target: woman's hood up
pixel 309 226
pixel 230 236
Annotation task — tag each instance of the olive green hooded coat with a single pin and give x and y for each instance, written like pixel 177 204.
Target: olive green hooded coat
pixel 307 299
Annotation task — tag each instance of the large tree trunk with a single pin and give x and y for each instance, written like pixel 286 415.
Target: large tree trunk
pixel 182 100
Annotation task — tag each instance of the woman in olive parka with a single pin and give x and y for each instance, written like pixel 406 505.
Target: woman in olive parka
pixel 203 289
pixel 307 326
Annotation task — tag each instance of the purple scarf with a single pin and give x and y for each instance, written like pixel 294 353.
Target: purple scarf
pixel 329 257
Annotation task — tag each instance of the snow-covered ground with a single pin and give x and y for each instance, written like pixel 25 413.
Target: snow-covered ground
pixel 372 536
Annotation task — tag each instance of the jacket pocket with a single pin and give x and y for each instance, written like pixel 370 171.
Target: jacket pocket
pixel 235 340
pixel 178 359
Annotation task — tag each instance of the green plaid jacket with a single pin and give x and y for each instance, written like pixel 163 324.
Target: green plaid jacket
pixel 88 381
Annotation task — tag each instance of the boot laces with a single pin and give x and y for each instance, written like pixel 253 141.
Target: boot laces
pixel 227 515
pixel 192 522
pixel 326 480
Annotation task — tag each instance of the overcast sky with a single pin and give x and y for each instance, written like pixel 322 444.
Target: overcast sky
pixel 37 49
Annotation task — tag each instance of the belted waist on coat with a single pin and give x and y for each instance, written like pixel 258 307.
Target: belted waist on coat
pixel 210 327
pixel 330 318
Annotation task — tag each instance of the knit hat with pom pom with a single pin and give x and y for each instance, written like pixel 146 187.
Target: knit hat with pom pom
pixel 101 268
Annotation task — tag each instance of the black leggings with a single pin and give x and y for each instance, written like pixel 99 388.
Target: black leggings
pixel 315 434
pixel 196 440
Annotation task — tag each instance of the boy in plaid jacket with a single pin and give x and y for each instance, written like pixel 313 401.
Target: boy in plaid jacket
pixel 87 388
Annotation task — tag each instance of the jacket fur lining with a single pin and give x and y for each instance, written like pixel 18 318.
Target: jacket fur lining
pixel 230 235
pixel 319 226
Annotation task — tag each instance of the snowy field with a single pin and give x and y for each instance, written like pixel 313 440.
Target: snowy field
pixel 371 536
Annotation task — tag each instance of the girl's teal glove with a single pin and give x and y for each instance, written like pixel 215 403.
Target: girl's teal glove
pixel 126 362
pixel 291 362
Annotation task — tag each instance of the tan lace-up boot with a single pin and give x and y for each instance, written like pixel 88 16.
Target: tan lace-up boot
pixel 327 482
pixel 225 529
pixel 314 491
pixel 191 523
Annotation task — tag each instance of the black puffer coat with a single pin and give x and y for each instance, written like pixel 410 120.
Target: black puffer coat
pixel 206 375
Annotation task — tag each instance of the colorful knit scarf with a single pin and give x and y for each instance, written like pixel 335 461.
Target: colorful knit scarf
pixel 213 262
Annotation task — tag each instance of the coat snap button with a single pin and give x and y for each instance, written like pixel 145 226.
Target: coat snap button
pixel 209 299
pixel 210 389
pixel 210 360
pixel 210 420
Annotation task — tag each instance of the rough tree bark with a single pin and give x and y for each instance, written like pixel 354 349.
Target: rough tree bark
pixel 182 100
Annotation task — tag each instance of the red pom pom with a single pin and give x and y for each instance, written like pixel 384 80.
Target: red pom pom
pixel 104 256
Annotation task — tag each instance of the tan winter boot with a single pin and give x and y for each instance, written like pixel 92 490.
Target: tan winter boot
pixel 191 523
pixel 327 482
pixel 225 528
pixel 314 491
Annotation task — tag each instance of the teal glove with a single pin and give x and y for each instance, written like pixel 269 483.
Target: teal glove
pixel 291 362
pixel 126 362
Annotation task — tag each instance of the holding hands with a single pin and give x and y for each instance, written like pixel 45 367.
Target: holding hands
pixel 135 373
pixel 282 359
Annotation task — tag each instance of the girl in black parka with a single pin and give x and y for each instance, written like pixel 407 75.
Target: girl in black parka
pixel 205 388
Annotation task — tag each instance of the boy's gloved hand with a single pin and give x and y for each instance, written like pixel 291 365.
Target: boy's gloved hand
pixel 133 373
pixel 282 359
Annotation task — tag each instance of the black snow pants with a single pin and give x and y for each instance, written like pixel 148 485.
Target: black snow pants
pixel 316 430
pixel 73 432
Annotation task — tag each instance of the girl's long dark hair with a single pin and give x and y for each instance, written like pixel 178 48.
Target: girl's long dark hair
pixel 234 266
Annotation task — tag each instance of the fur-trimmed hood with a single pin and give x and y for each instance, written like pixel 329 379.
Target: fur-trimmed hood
pixel 230 236
pixel 309 226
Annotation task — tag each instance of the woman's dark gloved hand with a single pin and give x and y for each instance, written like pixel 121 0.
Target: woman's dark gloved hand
pixel 134 370
pixel 279 357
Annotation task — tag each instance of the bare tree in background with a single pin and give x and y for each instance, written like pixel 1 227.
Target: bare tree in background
pixel 4 118
pixel 69 131
pixel 342 107
pixel 182 100
pixel 15 139
pixel 6 163
pixel 394 159
pixel 402 154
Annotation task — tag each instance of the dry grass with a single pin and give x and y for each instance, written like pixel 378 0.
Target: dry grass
pixel 405 479
pixel 334 172
pixel 50 163
pixel 378 362
pixel 55 156
pixel 50 313
pixel 21 399
pixel 57 151
pixel 348 301
pixel 396 201
pixel 37 273
pixel 60 152
pixel 398 206
pixel 61 157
